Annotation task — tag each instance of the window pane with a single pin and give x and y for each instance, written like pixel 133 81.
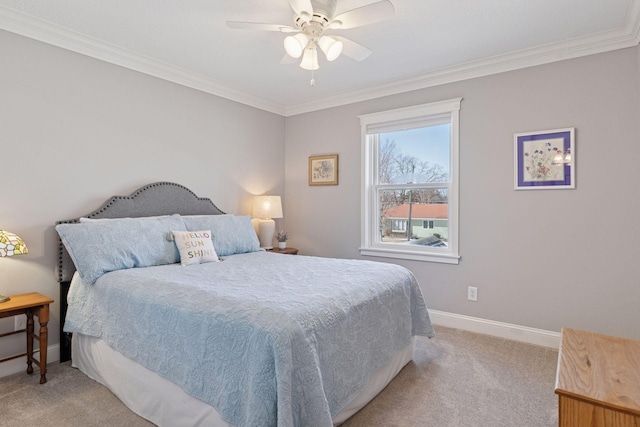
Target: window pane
pixel 416 216
pixel 414 156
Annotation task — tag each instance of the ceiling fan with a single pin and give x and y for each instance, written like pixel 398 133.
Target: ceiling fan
pixel 312 19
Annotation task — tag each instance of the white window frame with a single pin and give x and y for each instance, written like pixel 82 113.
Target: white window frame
pixel 401 119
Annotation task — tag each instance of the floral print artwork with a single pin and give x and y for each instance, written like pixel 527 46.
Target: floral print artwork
pixel 544 160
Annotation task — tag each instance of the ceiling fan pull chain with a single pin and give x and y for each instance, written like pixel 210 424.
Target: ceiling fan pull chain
pixel 313 80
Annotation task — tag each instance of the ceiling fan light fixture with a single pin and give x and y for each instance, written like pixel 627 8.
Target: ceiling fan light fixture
pixel 331 47
pixel 294 45
pixel 311 19
pixel 310 59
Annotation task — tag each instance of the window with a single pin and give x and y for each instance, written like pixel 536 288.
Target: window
pixel 399 225
pixel 410 185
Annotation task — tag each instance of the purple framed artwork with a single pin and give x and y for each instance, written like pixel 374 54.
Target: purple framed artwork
pixel 545 159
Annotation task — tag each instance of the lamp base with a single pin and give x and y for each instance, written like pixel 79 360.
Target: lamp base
pixel 4 299
pixel 266 230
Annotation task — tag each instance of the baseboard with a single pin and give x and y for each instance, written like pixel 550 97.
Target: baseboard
pixel 497 329
pixel 20 364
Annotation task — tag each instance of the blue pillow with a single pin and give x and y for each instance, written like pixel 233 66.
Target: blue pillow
pixel 231 234
pixel 97 247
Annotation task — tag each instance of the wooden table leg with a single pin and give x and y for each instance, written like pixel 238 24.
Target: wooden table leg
pixel 43 318
pixel 30 304
pixel 29 314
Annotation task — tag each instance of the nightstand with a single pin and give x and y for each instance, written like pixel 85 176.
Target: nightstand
pixel 287 251
pixel 30 304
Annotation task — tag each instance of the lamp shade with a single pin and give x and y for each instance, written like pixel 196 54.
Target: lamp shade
pixel 331 47
pixel 267 207
pixel 10 244
pixel 310 59
pixel 294 45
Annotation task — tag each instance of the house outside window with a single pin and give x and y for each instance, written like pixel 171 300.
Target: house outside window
pixel 410 185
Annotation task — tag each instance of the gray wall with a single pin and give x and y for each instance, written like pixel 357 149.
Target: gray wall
pixel 79 130
pixel 543 259
pixel 75 131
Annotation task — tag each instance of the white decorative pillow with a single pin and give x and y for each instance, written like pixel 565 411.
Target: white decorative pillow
pixel 195 247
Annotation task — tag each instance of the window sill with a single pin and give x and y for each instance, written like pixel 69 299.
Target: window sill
pixel 411 255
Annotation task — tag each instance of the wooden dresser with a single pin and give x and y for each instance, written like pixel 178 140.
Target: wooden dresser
pixel 598 380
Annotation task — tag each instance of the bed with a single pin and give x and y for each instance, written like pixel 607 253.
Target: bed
pixel 233 335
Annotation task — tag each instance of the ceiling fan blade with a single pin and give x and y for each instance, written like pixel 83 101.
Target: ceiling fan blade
pixel 353 50
pixel 261 27
pixel 365 15
pixel 302 8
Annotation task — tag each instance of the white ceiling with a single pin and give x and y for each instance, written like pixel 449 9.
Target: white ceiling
pixel 427 42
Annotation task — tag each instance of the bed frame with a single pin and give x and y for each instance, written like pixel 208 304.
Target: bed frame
pixel 160 198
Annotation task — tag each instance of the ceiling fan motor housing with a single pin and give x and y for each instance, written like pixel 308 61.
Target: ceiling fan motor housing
pixel 324 9
pixel 323 12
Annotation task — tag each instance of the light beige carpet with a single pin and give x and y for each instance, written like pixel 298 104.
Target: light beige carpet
pixel 458 379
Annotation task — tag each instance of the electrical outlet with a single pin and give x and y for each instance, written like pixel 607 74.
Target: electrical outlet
pixel 20 322
pixel 472 293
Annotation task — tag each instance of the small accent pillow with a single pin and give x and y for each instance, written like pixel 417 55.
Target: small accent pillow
pixel 195 247
pixel 232 234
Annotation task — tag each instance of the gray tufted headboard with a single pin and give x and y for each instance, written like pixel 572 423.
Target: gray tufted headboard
pixel 160 198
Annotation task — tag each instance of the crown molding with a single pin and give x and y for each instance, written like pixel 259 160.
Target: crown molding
pixel 46 32
pixel 34 28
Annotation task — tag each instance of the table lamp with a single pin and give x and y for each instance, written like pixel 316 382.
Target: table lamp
pixel 266 208
pixel 10 245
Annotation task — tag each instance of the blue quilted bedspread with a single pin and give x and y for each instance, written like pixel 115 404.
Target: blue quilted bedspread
pixel 266 339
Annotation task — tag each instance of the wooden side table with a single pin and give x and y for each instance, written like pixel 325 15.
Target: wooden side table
pixel 288 251
pixel 598 380
pixel 30 304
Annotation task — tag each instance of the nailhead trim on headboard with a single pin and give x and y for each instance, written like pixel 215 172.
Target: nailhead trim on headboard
pixel 159 198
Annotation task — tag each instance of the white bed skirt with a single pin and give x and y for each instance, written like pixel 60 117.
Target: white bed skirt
pixel 166 404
